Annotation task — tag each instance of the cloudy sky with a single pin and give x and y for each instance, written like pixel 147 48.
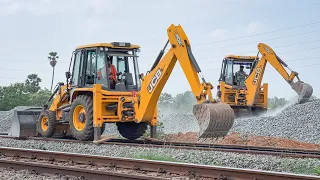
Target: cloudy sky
pixel 30 29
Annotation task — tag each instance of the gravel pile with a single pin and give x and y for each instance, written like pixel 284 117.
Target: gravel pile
pixel 262 162
pixel 175 122
pixel 298 122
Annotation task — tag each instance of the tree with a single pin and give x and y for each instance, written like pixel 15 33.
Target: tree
pixel 184 101
pixel 52 57
pixel 23 94
pixel 33 83
pixel 276 102
pixel 40 98
pixel 12 96
pixel 165 100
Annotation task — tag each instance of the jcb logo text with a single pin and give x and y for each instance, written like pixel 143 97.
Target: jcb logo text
pixel 257 76
pixel 154 80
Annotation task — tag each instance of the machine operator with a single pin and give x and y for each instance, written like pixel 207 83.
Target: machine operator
pixel 241 76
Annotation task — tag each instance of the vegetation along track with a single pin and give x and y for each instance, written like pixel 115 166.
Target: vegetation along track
pixel 147 142
pixel 102 167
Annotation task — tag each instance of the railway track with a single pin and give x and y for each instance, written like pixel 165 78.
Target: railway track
pixel 105 167
pixel 282 152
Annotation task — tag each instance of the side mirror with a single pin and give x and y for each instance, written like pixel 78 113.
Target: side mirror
pixel 68 74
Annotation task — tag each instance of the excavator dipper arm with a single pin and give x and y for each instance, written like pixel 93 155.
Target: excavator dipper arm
pixel 253 81
pixel 214 119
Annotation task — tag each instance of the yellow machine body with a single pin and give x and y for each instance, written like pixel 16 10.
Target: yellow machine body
pixel 91 98
pixel 248 96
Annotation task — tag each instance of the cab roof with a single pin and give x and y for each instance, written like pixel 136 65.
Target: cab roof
pixel 121 45
pixel 245 58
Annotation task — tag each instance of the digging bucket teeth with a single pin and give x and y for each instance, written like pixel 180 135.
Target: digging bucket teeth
pixel 24 122
pixel 304 91
pixel 214 119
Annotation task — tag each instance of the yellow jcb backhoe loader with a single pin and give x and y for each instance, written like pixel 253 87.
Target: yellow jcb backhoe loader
pixel 89 100
pixel 243 90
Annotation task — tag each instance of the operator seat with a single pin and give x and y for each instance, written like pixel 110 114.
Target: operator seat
pixel 129 81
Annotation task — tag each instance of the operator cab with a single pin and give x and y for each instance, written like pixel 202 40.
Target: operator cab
pixel 92 64
pixel 230 70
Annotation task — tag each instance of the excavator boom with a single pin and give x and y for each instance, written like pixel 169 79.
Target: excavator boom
pixel 253 81
pixel 215 119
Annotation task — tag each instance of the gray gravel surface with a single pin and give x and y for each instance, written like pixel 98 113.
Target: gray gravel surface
pixel 11 174
pixel 175 122
pixel 298 122
pixel 294 121
pixel 263 162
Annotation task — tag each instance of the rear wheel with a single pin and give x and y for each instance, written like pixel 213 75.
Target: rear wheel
pixel 132 130
pixel 81 123
pixel 47 123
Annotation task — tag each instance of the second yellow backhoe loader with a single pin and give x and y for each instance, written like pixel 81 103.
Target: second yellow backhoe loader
pixel 95 95
pixel 243 90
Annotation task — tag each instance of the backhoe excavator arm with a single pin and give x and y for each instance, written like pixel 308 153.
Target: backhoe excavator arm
pixel 154 81
pixel 253 81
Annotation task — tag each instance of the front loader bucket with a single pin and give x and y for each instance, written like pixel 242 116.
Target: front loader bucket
pixel 24 122
pixel 304 90
pixel 214 119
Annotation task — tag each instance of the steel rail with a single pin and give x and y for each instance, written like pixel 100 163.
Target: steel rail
pixel 263 150
pixel 40 168
pixel 183 169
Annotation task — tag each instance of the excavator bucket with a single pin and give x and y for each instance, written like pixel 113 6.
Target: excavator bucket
pixel 304 91
pixel 24 122
pixel 214 119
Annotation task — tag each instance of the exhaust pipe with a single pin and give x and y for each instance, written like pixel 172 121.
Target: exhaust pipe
pixel 24 123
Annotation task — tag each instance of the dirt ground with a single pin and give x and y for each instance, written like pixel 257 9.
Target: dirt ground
pixel 237 138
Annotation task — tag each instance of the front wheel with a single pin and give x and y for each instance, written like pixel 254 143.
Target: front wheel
pixel 47 123
pixel 81 123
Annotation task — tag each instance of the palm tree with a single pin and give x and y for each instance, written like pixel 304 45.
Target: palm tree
pixel 52 57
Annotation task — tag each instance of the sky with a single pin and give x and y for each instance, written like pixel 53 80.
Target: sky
pixel 31 29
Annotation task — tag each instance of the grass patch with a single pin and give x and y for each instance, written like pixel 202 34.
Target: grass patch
pixel 155 157
pixel 317 170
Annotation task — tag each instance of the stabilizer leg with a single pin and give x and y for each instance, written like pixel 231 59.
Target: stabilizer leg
pixel 97 133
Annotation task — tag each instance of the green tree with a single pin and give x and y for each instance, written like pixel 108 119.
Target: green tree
pixel 23 94
pixel 165 100
pixel 184 101
pixel 40 98
pixel 53 61
pixel 276 102
pixel 12 96
pixel 33 83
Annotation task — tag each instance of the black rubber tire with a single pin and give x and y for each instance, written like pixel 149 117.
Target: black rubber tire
pixel 132 130
pixel 88 131
pixel 51 123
